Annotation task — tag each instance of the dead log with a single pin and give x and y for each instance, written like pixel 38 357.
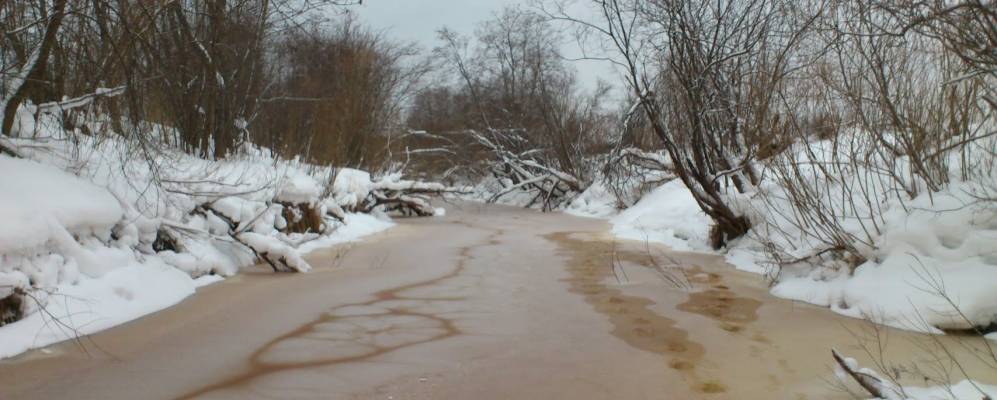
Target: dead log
pixel 335 211
pixel 406 197
pixel 280 257
pixel 872 384
pixel 404 204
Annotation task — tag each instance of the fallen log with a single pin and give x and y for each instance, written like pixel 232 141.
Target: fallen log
pixel 405 196
pixel 280 256
pixel 872 384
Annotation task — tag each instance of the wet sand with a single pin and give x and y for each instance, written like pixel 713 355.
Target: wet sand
pixel 489 302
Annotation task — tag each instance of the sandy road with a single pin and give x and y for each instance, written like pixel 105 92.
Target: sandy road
pixel 489 302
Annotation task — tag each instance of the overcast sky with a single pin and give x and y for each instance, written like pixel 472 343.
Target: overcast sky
pixel 418 21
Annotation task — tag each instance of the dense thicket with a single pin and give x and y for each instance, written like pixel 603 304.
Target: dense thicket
pixel 214 73
pixel 728 86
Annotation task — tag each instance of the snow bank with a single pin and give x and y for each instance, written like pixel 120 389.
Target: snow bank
pixel 37 201
pixel 95 304
pixel 351 187
pixel 962 390
pixel 933 266
pixel 54 226
pixel 929 262
pixel 299 188
pixel 119 236
pixel 596 201
pixel 668 215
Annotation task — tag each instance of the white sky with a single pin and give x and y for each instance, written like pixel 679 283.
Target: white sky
pixel 418 20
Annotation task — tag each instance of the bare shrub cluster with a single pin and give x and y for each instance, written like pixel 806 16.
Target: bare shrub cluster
pixel 907 109
pixel 215 73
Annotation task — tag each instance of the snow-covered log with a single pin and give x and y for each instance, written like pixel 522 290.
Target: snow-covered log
pixel 279 255
pixel 866 378
pixel 548 187
pixel 354 191
pixel 67 104
pixel 406 196
pixel 333 210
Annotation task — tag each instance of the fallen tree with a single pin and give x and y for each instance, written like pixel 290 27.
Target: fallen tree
pixel 525 172
pixel 405 196
pixel 354 191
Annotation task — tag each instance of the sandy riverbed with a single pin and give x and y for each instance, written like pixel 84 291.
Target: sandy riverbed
pixel 489 302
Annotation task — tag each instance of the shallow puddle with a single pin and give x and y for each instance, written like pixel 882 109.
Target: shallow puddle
pixel 595 264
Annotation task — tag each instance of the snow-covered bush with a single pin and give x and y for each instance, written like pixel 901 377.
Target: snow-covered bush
pixel 840 230
pixel 351 187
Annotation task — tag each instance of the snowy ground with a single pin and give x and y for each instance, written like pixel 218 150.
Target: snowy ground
pixel 80 246
pixel 925 248
pixel 930 261
pixel 58 243
pixel 920 250
pixel 130 291
pixel 937 242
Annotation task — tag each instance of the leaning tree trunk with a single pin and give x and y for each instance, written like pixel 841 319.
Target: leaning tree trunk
pixel 728 225
pixel 33 69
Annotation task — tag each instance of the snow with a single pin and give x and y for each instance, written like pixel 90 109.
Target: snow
pixel 299 188
pixel 963 390
pixel 357 226
pixel 351 187
pixel 929 261
pixel 668 215
pixel 207 280
pixel 95 304
pixel 39 202
pixel 596 201
pixel 81 217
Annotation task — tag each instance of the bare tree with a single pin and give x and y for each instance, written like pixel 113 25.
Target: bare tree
pixel 31 30
pixel 704 75
pixel 518 102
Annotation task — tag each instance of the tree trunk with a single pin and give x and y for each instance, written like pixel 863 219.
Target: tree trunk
pixel 34 66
